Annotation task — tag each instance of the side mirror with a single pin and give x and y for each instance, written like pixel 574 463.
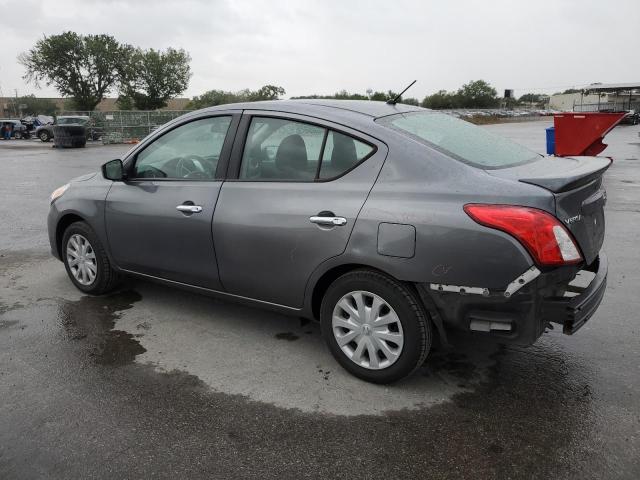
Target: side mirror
pixel 113 170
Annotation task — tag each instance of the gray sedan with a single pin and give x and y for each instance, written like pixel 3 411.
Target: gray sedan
pixel 389 224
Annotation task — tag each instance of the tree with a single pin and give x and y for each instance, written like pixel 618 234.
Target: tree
pixel 533 98
pixel 268 92
pixel 477 94
pixel 382 97
pixel 572 90
pixel 35 106
pixel 85 67
pixel 221 97
pixel 151 77
pixel 440 100
pixel 411 101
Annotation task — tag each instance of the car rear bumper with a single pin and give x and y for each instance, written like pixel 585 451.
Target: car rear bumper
pixel 523 317
pixel 573 312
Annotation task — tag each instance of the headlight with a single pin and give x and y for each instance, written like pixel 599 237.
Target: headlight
pixel 58 192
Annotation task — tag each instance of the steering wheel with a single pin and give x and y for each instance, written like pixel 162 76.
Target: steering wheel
pixel 191 166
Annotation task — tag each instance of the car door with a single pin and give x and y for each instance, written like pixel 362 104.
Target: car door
pixel 159 219
pixel 294 191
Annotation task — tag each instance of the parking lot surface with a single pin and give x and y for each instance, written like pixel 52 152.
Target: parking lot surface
pixel 151 382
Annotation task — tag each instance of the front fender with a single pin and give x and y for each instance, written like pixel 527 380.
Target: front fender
pixel 84 199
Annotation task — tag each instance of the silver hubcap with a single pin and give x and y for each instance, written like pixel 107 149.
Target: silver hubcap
pixel 81 260
pixel 367 330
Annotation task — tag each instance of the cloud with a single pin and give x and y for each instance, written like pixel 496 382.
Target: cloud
pixel 323 46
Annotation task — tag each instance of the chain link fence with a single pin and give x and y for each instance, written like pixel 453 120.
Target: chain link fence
pixel 125 126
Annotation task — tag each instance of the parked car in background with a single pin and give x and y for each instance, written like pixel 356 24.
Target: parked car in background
pixel 45 132
pixel 387 223
pixel 631 118
pixel 18 130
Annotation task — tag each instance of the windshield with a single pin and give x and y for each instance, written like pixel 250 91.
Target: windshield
pixel 460 139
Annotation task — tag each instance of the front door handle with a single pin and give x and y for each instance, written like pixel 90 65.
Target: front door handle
pixel 328 221
pixel 189 208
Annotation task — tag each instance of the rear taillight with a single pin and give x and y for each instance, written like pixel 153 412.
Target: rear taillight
pixel 542 234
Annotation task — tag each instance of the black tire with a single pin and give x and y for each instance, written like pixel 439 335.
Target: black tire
pixel 416 325
pixel 17 135
pixel 44 136
pixel 106 277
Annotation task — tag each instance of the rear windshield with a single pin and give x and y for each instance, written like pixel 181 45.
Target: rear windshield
pixel 460 139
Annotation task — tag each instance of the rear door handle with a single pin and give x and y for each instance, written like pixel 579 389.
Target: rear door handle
pixel 328 221
pixel 189 208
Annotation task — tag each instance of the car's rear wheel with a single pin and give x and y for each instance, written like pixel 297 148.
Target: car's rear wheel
pixel 375 326
pixel 44 136
pixel 18 135
pixel 86 260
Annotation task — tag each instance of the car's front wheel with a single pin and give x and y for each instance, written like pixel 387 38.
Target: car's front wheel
pixel 44 136
pixel 86 261
pixel 375 326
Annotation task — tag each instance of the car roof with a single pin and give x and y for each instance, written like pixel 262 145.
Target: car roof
pixel 324 108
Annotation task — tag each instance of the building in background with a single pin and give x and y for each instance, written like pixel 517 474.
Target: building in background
pixel 599 97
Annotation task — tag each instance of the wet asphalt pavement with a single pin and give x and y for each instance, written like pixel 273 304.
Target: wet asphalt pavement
pixel 151 382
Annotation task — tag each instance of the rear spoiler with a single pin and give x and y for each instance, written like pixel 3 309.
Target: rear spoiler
pixel 586 170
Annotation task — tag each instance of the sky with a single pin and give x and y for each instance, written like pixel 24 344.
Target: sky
pixel 323 46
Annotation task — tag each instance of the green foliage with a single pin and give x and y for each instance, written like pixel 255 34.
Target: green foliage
pixel 440 100
pixel 572 90
pixel 85 67
pixel 221 97
pixel 125 103
pixel 35 106
pixel 475 94
pixel 538 99
pixel 268 92
pixel 411 101
pixel 344 95
pixel 151 77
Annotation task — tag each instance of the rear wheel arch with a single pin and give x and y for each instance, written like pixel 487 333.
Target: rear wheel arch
pixel 327 278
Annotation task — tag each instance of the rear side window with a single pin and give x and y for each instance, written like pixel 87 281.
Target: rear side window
pixel 460 140
pixel 279 149
pixel 342 153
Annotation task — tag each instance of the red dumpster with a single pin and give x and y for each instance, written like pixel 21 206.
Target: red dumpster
pixel 582 133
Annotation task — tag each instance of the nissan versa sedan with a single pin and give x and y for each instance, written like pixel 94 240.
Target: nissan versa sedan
pixel 388 223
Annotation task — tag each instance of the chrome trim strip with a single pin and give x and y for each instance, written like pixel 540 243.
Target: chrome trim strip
pixel 460 289
pixel 521 281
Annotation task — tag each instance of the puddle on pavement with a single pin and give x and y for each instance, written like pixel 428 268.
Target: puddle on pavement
pixel 457 365
pixel 92 320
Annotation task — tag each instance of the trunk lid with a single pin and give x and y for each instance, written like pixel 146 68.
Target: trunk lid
pixel 576 183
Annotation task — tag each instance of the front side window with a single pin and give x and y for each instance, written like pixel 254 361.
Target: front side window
pixel 190 151
pixel 278 149
pixel 460 139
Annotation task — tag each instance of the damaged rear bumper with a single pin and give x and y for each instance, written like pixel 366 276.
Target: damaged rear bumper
pixel 573 312
pixel 522 316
